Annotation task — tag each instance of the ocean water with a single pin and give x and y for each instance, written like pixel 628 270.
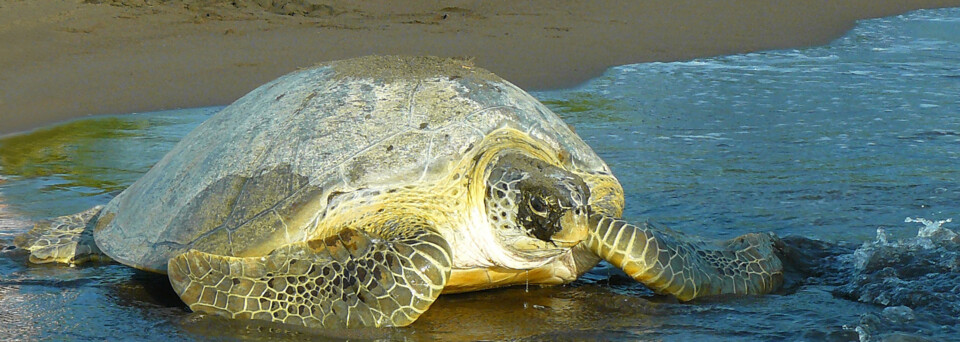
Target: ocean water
pixel 829 143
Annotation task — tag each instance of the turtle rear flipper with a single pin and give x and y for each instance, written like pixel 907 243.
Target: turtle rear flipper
pixel 353 279
pixel 65 239
pixel 670 262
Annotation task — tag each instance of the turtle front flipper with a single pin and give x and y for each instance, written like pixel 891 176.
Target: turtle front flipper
pixel 65 239
pixel 353 279
pixel 670 262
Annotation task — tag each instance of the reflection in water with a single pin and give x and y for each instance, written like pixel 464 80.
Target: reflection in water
pixel 70 150
pixel 829 142
pixel 86 161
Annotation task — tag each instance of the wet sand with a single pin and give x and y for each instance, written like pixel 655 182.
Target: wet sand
pixel 67 59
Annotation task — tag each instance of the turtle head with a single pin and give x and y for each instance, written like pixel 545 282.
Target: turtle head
pixel 534 206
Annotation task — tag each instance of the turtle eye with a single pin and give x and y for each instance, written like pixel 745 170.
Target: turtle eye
pixel 538 206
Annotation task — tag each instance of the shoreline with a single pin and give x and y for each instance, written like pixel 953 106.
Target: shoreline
pixel 63 60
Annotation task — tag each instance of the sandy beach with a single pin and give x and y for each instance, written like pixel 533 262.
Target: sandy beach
pixel 62 59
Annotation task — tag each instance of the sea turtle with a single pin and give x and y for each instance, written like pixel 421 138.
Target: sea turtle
pixel 353 193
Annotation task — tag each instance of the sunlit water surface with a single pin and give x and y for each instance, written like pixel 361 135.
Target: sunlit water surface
pixel 829 142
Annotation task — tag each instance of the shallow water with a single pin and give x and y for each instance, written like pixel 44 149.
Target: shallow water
pixel 829 142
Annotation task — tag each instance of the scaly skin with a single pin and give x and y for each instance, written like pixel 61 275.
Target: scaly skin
pixel 350 280
pixel 65 239
pixel 670 262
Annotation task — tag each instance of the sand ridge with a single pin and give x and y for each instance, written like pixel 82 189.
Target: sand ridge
pixel 63 59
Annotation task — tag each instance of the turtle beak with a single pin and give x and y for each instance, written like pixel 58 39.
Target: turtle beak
pixel 574 228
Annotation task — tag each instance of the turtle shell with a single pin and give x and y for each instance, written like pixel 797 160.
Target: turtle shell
pixel 258 174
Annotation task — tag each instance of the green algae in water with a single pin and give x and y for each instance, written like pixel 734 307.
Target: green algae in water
pixel 576 105
pixel 582 102
pixel 70 167
pixel 73 151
